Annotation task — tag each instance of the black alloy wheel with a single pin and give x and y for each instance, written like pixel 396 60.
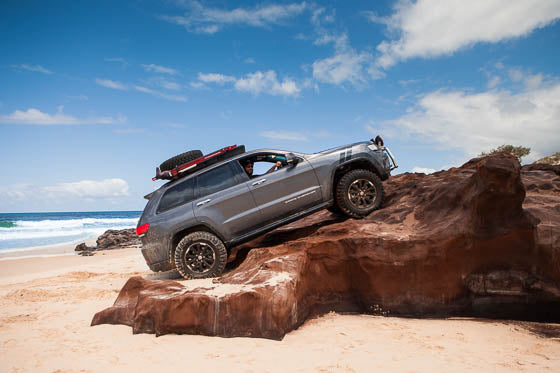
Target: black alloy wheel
pixel 362 193
pixel 358 193
pixel 200 255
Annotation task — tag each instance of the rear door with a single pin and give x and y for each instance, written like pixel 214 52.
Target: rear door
pixel 286 191
pixel 225 203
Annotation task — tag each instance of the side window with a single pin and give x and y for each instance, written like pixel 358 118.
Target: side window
pixel 215 180
pixel 261 164
pixel 177 195
pixel 239 171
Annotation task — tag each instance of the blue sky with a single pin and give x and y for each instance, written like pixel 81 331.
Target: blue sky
pixel 95 94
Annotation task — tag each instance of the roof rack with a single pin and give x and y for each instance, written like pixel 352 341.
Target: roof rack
pixel 199 163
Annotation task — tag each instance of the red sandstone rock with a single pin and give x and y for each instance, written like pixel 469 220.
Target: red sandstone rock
pixel 467 241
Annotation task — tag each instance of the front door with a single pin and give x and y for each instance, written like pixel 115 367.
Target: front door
pixel 286 191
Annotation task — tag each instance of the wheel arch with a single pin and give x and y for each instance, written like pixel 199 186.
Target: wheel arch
pixel 180 234
pixel 354 164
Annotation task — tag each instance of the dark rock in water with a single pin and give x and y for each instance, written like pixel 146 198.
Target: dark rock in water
pixel 479 240
pixel 115 239
pixel 84 247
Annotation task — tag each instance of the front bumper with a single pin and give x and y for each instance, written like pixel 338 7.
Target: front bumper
pixel 393 163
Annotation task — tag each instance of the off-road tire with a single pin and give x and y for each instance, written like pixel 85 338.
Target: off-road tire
pixel 180 159
pixel 353 179
pixel 209 242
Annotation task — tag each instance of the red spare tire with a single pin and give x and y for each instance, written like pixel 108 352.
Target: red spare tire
pixel 180 159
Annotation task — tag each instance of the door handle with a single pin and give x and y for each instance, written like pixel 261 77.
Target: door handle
pixel 203 202
pixel 259 182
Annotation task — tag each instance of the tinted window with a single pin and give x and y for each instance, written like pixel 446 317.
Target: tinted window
pixel 239 171
pixel 215 180
pixel 177 195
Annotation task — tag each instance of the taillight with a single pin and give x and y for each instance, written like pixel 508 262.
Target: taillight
pixel 142 229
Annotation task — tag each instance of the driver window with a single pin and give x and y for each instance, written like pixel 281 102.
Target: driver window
pixel 262 164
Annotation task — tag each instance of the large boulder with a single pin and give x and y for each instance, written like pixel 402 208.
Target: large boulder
pixel 115 239
pixel 470 241
pixel 109 240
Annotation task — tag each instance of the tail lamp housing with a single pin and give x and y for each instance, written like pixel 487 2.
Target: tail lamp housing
pixel 142 229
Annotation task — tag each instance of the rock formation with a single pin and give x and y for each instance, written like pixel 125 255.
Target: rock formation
pixel 111 239
pixel 479 240
pixel 114 239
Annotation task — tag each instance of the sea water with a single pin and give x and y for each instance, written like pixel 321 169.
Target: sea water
pixel 19 231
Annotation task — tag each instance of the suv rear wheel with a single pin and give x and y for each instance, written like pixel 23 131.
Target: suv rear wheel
pixel 200 255
pixel 358 193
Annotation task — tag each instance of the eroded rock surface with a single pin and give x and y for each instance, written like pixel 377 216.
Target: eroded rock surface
pixel 479 240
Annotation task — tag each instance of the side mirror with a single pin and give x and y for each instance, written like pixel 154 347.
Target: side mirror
pixel 291 159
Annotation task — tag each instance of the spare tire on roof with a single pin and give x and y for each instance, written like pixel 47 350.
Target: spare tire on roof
pixel 180 159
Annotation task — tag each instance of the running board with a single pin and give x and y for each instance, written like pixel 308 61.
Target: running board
pixel 249 236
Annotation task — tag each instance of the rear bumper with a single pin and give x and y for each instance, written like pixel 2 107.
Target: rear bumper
pixel 156 266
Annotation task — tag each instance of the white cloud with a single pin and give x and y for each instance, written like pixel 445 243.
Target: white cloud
pixel 423 170
pixel 107 188
pixel 170 85
pixel 494 81
pixel 343 67
pixel 516 74
pixel 159 69
pixel 282 135
pixel 202 19
pixel 215 78
pixel 431 28
pixel 197 85
pixel 111 84
pixel 82 190
pixel 35 116
pixel 346 65
pixel 164 83
pixel 266 82
pixel 255 83
pixel 34 68
pixel 476 122
pixel 160 94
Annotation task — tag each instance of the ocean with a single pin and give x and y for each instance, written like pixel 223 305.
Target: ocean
pixel 21 231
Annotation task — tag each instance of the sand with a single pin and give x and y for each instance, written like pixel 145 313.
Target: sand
pixel 47 305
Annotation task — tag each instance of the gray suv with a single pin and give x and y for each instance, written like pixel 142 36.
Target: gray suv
pixel 193 221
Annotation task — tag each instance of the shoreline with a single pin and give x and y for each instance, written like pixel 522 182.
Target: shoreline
pixel 61 249
pixel 48 304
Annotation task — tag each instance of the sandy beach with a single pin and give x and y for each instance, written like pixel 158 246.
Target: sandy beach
pixel 48 302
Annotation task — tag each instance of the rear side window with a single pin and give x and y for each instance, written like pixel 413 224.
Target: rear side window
pixel 215 180
pixel 177 195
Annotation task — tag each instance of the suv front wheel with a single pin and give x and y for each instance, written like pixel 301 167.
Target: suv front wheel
pixel 358 193
pixel 200 255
